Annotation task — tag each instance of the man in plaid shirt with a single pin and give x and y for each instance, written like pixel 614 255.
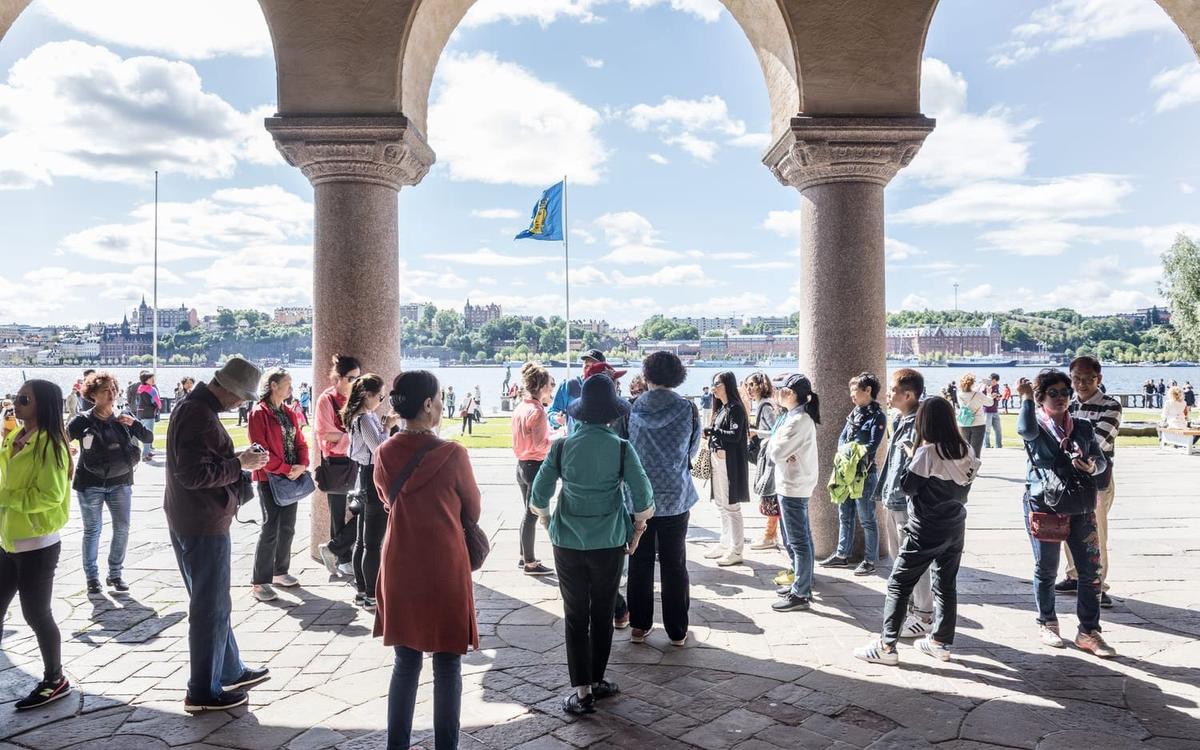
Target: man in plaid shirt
pixel 1104 412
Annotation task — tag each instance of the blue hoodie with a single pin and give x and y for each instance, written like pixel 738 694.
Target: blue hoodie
pixel 664 429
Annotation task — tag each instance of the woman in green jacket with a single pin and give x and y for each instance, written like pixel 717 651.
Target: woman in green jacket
pixel 35 493
pixel 592 531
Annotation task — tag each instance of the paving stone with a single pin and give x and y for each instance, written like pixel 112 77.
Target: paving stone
pixel 75 730
pixel 1075 739
pixel 317 738
pixel 728 730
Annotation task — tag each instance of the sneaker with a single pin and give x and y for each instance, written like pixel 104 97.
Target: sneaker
pixel 914 627
pixel 784 578
pixel 1067 586
pixel 577 706
pixel 285 580
pixel 621 622
pixel 730 559
pixel 1105 600
pixel 791 603
pixel 680 642
pixel 327 557
pixel 864 568
pixel 783 590
pixel 94 587
pixel 219 703
pixel 345 569
pixel 1048 632
pixel 539 570
pixel 834 561
pixel 715 552
pixel 604 689
pixel 117 584
pixel 249 678
pixel 45 692
pixel 368 603
pixel 263 592
pixel 1094 643
pixel 877 653
pixel 521 563
pixel 637 635
pixel 930 647
pixel 763 544
pixel 358 598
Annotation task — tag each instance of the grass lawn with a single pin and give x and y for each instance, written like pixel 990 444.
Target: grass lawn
pixel 495 433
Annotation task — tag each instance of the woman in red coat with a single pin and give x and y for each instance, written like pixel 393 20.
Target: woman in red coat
pixel 275 427
pixel 424 608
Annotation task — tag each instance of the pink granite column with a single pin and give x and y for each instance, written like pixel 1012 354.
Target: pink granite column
pixel 356 166
pixel 841 166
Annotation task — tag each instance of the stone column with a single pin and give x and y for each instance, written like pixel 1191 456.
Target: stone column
pixel 841 166
pixel 356 166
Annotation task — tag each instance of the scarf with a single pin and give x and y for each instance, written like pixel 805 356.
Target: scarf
pixel 288 427
pixel 1061 434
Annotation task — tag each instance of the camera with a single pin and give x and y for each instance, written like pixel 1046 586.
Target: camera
pixel 256 448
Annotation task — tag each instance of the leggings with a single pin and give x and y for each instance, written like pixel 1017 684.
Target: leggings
pixel 31 575
pixel 372 523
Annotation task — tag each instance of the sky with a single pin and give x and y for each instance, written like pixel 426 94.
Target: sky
pixel 1064 162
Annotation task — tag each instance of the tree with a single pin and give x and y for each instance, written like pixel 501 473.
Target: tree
pixel 1181 287
pixel 226 319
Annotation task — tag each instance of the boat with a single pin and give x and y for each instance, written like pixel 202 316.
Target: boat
pixel 981 362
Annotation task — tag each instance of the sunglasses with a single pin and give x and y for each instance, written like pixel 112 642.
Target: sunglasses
pixel 1058 392
pixel 22 400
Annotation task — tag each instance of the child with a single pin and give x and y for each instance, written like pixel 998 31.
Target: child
pixel 937 482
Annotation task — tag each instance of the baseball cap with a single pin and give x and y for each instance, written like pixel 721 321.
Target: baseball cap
pixel 595 354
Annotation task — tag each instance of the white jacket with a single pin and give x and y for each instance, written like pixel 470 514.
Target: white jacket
pixel 797 436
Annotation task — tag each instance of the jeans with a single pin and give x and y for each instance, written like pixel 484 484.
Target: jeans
pixel 273 556
pixel 91 508
pixel 797 535
pixel 666 538
pixel 921 602
pixel 974 437
pixel 1085 551
pixel 148 448
pixel 341 531
pixel 402 698
pixel 588 581
pixel 526 473
pixel 215 661
pixel 31 575
pixel 864 508
pixel 733 527
pixel 372 523
pixel 1104 503
pixel 991 425
pixel 924 548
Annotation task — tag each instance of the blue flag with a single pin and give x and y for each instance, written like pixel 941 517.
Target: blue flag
pixel 546 222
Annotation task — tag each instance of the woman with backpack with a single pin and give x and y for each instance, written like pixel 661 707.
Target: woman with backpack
pixel 971 419
pixel 35 497
pixel 108 456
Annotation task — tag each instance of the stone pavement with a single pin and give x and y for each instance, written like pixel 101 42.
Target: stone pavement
pixel 750 678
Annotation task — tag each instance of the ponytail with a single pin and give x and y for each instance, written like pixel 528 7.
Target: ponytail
pixel 813 408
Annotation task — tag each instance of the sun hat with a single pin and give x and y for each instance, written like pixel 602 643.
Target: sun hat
pixel 603 368
pixel 598 402
pixel 240 378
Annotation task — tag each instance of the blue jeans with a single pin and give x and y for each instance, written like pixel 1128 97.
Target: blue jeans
pixel 864 508
pixel 204 563
pixel 797 535
pixel 1083 542
pixel 991 425
pixel 402 698
pixel 148 448
pixel 91 508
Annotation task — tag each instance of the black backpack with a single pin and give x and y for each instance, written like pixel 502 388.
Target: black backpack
pixel 107 449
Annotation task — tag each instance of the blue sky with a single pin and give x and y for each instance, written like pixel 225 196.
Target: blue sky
pixel 1063 163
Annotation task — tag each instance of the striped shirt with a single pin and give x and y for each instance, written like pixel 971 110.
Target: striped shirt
pixel 366 433
pixel 1104 412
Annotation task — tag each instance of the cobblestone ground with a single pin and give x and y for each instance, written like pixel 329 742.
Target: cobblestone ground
pixel 749 679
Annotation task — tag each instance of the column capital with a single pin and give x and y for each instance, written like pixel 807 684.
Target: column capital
pixel 819 150
pixel 379 149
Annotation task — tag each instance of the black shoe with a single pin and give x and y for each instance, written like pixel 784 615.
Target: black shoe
pixel 834 561
pixel 791 603
pixel 605 689
pixel 219 703
pixel 521 562
pixel 249 678
pixel 1067 586
pixel 118 584
pixel 359 597
pixel 1105 600
pixel 864 568
pixel 94 587
pixel 539 570
pixel 577 706
pixel 45 692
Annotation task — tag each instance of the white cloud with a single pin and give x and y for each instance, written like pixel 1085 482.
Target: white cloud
pixel 584 276
pixel 727 255
pixel 492 121
pixel 752 140
pixel 70 109
pixel 180 28
pixel 57 294
pixel 684 275
pixel 487 257
pixel 765 265
pixel 544 12
pixel 895 250
pixel 658 159
pixel 784 223
pixel 1187 188
pixel 692 125
pixel 1177 87
pixel 593 62
pixel 583 234
pixel 1068 24
pixel 640 254
pixel 740 304
pixel 1090 296
pixel 914 302
pixel 496 213
pixel 702 149
pixel 626 227
pixel 1072 197
pixel 707 10
pixel 1053 238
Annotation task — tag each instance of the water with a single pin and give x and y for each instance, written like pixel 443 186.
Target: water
pixel 1117 379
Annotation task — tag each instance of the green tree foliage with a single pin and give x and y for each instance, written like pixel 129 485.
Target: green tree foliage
pixel 1181 287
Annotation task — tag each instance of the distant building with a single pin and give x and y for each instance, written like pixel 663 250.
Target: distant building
pixel 168 319
pixel 291 316
pixel 119 343
pixel 747 345
pixel 477 315
pixel 599 327
pixel 678 348
pixel 773 323
pixel 704 325
pixel 925 341
pixel 413 311
pixel 1145 317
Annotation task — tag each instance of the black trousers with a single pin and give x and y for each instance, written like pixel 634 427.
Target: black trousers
pixel 588 581
pixel 526 472
pixel 941 548
pixel 31 575
pixel 665 538
pixel 372 522
pixel 342 533
pixel 273 556
pixel 468 419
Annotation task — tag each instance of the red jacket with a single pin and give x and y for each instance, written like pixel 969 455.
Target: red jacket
pixel 265 430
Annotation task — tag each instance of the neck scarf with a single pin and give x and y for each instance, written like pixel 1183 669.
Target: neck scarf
pixel 1061 434
pixel 289 432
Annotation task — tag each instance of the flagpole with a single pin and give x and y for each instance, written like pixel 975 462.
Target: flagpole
pixel 567 274
pixel 154 346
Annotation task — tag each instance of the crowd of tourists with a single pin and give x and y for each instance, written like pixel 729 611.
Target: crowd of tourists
pixel 611 478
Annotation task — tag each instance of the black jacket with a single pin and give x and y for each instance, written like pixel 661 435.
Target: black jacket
pixel 728 434
pixel 107 431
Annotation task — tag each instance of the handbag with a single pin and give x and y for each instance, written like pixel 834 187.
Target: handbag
pixel 336 475
pixel 290 491
pixel 702 466
pixel 764 479
pixel 1049 527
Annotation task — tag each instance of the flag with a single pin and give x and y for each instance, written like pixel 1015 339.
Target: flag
pixel 546 222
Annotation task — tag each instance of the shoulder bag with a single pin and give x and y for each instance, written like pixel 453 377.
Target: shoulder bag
pixel 1061 498
pixel 290 491
pixel 336 475
pixel 702 466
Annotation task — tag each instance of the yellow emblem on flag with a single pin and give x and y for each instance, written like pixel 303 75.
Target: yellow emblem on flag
pixel 539 218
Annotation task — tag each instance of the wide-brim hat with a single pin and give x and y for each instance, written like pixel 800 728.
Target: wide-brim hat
pixel 240 378
pixel 598 402
pixel 603 368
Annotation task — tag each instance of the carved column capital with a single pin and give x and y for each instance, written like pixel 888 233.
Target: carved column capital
pixel 379 149
pixel 819 150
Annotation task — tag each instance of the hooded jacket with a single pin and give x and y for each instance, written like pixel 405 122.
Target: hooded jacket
pixel 937 487
pixel 664 429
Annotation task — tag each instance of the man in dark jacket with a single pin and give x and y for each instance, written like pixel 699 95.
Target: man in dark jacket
pixel 204 476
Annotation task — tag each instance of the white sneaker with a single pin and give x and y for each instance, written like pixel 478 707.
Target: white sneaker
pixel 875 653
pixel 346 569
pixel 263 592
pixel 763 544
pixel 681 642
pixel 729 559
pixel 915 627
pixel 930 647
pixel 286 580
pixel 715 552
pixel 1049 635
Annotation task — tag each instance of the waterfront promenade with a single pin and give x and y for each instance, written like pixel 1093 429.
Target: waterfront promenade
pixel 749 678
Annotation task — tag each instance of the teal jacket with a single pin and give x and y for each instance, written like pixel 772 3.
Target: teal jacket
pixel 591 513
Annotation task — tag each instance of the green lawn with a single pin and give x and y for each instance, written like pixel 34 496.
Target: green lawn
pixel 495 433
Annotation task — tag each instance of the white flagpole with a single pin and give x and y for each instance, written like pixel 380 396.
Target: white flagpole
pixel 154 345
pixel 567 273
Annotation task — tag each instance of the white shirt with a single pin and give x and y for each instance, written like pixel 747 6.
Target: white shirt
pixel 797 437
pixel 1173 415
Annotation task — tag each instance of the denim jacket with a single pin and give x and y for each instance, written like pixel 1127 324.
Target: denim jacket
pixel 904 435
